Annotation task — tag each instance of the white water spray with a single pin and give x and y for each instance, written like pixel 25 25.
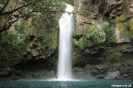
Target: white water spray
pixel 66 26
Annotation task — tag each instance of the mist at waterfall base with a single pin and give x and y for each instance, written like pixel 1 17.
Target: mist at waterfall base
pixel 64 73
pixel 66 26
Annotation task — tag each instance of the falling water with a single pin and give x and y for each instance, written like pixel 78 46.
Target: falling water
pixel 66 26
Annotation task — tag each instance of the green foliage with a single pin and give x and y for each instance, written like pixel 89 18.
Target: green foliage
pixel 14 43
pixel 126 29
pixel 85 2
pixel 85 11
pixel 43 38
pixel 112 53
pixel 125 26
pixel 69 1
pixel 22 30
pixel 53 61
pixel 46 27
pixel 76 56
pixel 129 62
pixel 109 30
pixel 54 42
pixel 130 25
pixel 44 16
pixel 27 12
pixel 105 26
pixel 96 36
pixel 79 43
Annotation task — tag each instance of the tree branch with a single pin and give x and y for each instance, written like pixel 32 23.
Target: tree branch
pixel 7 26
pixel 8 22
pixel 9 12
pixel 4 6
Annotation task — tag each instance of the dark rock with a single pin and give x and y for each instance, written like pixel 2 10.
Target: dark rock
pixel 131 37
pixel 127 39
pixel 119 77
pixel 5 72
pixel 92 70
pixel 19 73
pixel 101 68
pixel 88 66
pixel 34 75
pixel 126 48
pixel 126 70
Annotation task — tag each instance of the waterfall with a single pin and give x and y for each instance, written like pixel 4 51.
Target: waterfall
pixel 66 30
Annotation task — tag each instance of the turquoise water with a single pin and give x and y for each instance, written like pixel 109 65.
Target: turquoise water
pixel 67 84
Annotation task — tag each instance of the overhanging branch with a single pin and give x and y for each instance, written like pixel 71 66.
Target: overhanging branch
pixel 7 26
pixel 4 6
pixel 9 12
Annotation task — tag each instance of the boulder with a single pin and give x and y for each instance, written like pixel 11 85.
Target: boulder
pixel 92 70
pixel 112 75
pixel 34 52
pixel 101 68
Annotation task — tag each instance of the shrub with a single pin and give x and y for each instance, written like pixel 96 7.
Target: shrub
pixel 96 36
pixel 14 43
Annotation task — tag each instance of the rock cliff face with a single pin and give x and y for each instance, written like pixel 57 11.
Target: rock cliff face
pixel 117 12
pixel 119 15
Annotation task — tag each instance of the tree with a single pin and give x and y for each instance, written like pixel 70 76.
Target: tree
pixel 8 8
pixel 10 12
pixel 14 15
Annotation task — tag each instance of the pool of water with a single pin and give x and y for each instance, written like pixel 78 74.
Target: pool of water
pixel 94 83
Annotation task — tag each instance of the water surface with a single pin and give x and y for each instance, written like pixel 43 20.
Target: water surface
pixel 66 84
